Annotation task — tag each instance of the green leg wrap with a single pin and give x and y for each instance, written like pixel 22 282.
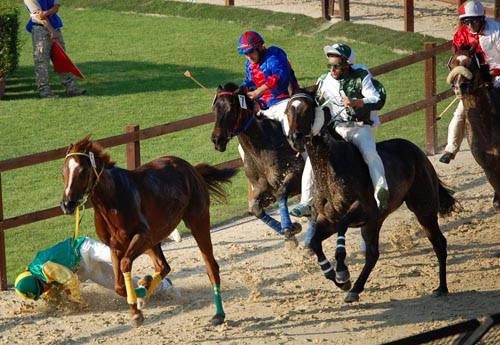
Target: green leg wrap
pixel 218 301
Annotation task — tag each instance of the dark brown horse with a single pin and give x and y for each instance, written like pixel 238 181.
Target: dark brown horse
pixel 472 84
pixel 344 193
pixel 270 164
pixel 135 210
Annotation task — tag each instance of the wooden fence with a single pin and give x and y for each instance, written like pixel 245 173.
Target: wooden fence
pixel 133 136
pixel 327 10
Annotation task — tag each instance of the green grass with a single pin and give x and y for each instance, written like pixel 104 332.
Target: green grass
pixel 134 64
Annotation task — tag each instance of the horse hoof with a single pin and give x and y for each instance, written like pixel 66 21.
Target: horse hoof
pixel 496 205
pixel 342 276
pixel 145 281
pixel 351 297
pixel 217 320
pixel 294 230
pixel 346 286
pixel 137 320
pixel 440 292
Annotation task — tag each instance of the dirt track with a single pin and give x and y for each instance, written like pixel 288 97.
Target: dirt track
pixel 275 295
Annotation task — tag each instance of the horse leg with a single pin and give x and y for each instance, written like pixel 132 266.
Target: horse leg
pixel 162 268
pixel 431 227
pixel 138 245
pixel 119 282
pixel 494 180
pixel 200 228
pixel 354 212
pixel 322 230
pixel 370 233
pixel 258 211
pixel 288 228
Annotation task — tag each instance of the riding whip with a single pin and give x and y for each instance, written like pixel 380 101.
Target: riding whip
pixel 188 74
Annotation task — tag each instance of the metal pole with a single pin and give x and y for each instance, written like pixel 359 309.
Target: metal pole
pixel 431 110
pixel 133 150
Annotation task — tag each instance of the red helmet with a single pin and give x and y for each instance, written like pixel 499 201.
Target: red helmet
pixel 471 8
pixel 249 41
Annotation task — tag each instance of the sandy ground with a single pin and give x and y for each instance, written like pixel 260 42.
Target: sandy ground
pixel 432 17
pixel 275 295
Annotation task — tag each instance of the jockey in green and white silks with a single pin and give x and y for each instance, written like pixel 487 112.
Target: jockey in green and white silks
pixel 66 264
pixel 350 95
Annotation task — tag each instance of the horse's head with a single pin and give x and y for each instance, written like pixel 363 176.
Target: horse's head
pixel 83 165
pixel 465 75
pixel 232 109
pixel 300 111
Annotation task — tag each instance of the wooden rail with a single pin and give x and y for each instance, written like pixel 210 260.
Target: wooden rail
pixel 327 11
pixel 133 136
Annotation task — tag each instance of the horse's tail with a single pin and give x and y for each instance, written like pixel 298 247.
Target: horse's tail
pixel 215 178
pixel 447 203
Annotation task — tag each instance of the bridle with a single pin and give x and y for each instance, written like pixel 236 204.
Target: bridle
pixel 243 112
pixel 93 164
pixel 308 97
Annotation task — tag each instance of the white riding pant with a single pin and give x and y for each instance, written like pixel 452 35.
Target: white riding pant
pixel 456 130
pixel 96 266
pixel 277 112
pixel 361 136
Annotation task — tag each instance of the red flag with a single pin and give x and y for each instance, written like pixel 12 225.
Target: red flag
pixel 61 61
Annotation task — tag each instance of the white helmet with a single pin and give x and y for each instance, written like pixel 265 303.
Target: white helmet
pixel 471 8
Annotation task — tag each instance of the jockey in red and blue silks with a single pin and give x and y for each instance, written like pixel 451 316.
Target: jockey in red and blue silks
pixel 268 71
pixel 271 79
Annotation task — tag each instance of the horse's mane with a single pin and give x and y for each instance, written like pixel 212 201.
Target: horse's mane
pixel 87 145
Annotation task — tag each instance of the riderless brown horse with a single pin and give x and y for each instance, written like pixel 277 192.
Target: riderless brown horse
pixel 344 193
pixel 135 210
pixel 270 164
pixel 482 113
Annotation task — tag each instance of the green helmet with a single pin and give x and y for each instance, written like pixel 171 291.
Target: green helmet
pixel 28 286
pixel 342 50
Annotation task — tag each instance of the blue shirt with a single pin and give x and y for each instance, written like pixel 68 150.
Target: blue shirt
pixel 275 72
pixel 54 19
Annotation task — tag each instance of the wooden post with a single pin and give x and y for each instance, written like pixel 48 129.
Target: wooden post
pixel 430 110
pixel 228 2
pixel 331 8
pixel 497 10
pixel 3 260
pixel 409 16
pixel 344 10
pixel 325 9
pixel 133 150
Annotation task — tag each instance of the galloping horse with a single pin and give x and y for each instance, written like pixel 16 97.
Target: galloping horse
pixel 136 210
pixel 270 164
pixel 344 193
pixel 482 113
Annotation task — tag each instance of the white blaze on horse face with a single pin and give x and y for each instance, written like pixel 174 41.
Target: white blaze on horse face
pixel 296 103
pixel 72 166
pixel 461 59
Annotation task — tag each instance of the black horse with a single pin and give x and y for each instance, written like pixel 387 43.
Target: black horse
pixel 270 164
pixel 344 193
pixel 472 85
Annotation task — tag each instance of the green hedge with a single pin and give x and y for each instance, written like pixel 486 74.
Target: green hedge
pixel 9 42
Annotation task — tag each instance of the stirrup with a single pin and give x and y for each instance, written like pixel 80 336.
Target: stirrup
pixel 301 211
